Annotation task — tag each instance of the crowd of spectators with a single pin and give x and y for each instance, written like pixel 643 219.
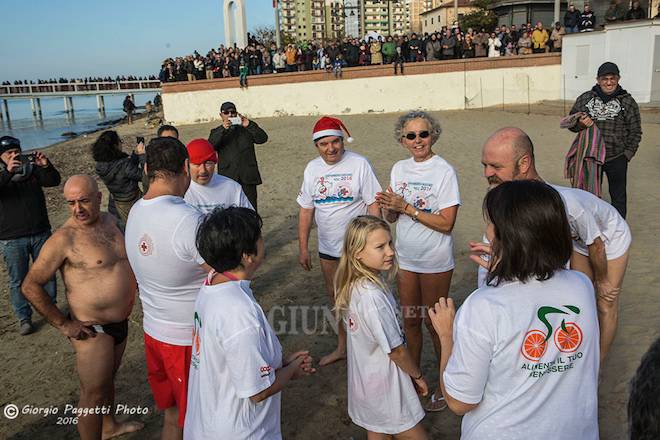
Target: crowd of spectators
pixel 449 43
pixel 69 84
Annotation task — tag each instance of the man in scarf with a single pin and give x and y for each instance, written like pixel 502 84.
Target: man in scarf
pixel 616 114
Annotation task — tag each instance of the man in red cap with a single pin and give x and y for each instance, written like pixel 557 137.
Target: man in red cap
pixel 337 186
pixel 209 190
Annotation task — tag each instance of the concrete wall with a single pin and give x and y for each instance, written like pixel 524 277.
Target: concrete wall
pixel 630 45
pixel 431 91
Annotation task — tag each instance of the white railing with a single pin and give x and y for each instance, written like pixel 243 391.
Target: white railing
pixel 74 87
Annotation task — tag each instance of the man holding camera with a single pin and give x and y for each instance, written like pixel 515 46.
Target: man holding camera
pixel 234 141
pixel 24 225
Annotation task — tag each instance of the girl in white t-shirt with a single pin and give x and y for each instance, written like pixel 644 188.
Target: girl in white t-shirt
pixel 382 375
pixel 423 200
pixel 520 360
pixel 237 369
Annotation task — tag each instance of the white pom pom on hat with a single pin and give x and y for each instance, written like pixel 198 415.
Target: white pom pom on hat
pixel 329 126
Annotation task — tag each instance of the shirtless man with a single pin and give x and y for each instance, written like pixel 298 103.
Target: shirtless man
pixel 100 287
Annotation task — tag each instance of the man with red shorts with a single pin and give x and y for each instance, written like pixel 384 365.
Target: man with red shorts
pixel 160 243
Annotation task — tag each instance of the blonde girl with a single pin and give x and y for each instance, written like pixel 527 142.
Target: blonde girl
pixel 382 375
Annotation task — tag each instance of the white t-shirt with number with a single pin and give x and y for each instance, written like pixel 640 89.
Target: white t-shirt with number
pixel 220 191
pixel 381 397
pixel 590 218
pixel 428 186
pixel 235 355
pixel 337 193
pixel 528 355
pixel 160 243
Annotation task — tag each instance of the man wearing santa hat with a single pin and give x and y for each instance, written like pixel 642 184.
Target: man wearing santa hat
pixel 209 190
pixel 338 186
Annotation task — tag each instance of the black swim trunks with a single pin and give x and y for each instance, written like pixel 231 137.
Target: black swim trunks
pixel 117 330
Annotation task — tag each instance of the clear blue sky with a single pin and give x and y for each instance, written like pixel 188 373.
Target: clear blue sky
pixel 77 38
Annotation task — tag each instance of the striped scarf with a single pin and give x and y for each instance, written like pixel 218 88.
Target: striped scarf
pixel 585 158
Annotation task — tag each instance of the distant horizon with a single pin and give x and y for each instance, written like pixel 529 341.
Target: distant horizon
pixel 72 40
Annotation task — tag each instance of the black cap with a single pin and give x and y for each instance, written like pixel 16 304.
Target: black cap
pixel 227 106
pixel 608 68
pixel 9 143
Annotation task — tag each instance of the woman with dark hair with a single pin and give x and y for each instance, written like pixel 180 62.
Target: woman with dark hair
pixel 120 172
pixel 521 357
pixel 237 370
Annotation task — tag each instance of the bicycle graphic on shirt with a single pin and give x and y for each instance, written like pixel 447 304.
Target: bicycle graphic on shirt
pixel 567 337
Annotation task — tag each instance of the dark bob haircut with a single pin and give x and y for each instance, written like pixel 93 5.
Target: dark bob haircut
pixel 107 147
pixel 225 235
pixel 166 157
pixel 644 403
pixel 166 127
pixel 532 235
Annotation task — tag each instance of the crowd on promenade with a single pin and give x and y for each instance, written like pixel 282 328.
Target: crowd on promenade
pixel 69 84
pixel 260 57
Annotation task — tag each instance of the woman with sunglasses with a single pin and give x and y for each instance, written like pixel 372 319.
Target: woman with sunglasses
pixel 423 199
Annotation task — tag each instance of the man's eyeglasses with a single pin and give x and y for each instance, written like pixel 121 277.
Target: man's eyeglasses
pixel 422 134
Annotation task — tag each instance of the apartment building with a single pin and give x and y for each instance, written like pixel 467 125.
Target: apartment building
pixel 312 19
pixel 387 17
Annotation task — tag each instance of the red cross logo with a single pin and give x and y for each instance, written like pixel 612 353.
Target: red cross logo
pixel 352 323
pixel 145 246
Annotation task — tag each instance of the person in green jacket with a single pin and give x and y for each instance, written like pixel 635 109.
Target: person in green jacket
pixel 388 50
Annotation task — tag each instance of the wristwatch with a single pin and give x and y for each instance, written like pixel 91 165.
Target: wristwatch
pixel 415 215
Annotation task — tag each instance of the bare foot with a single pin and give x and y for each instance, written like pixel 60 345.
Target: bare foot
pixel 333 357
pixel 121 429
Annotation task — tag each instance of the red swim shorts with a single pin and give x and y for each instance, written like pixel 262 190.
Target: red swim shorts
pixel 167 371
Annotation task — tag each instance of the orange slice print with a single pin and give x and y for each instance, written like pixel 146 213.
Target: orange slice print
pixel 568 341
pixel 534 345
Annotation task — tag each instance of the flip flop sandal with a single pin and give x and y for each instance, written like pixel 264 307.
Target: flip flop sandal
pixel 436 403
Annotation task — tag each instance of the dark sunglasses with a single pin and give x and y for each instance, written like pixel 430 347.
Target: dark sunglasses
pixel 422 134
pixel 229 112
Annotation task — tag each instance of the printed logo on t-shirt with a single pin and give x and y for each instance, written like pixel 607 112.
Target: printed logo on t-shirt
pixel 567 337
pixel 146 245
pixel 197 342
pixel 265 370
pixel 418 194
pixel 333 189
pixel 600 111
pixel 352 323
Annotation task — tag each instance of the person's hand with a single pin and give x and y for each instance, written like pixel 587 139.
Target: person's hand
pixel 226 123
pixel 479 251
pixel 391 201
pixel 293 356
pixel 420 386
pixel 40 159
pixel 139 148
pixel 305 260
pixel 442 317
pixel 80 330
pixel 585 121
pixel 244 121
pixel 14 162
pixel 302 367
pixel 606 291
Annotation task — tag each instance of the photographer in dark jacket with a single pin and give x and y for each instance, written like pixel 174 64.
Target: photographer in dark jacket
pixel 24 225
pixel 234 141
pixel 119 172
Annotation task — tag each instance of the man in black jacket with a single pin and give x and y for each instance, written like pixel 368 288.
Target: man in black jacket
pixel 234 141
pixel 616 114
pixel 572 19
pixel 24 225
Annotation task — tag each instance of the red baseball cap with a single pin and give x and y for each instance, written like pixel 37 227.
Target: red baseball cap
pixel 200 151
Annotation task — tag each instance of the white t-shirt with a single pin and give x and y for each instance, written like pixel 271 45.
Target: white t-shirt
pixel 337 193
pixel 526 386
pixel 590 218
pixel 381 397
pixel 428 186
pixel 160 243
pixel 220 191
pixel 235 355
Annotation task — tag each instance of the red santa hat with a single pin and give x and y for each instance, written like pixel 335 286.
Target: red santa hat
pixel 327 126
pixel 200 151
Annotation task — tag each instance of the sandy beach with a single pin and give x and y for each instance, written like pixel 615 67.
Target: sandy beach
pixel 38 370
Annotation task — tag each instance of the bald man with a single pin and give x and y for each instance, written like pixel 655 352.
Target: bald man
pixel 100 287
pixel 601 237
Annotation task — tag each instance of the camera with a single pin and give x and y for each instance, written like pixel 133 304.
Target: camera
pixel 140 139
pixel 28 158
pixel 236 120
